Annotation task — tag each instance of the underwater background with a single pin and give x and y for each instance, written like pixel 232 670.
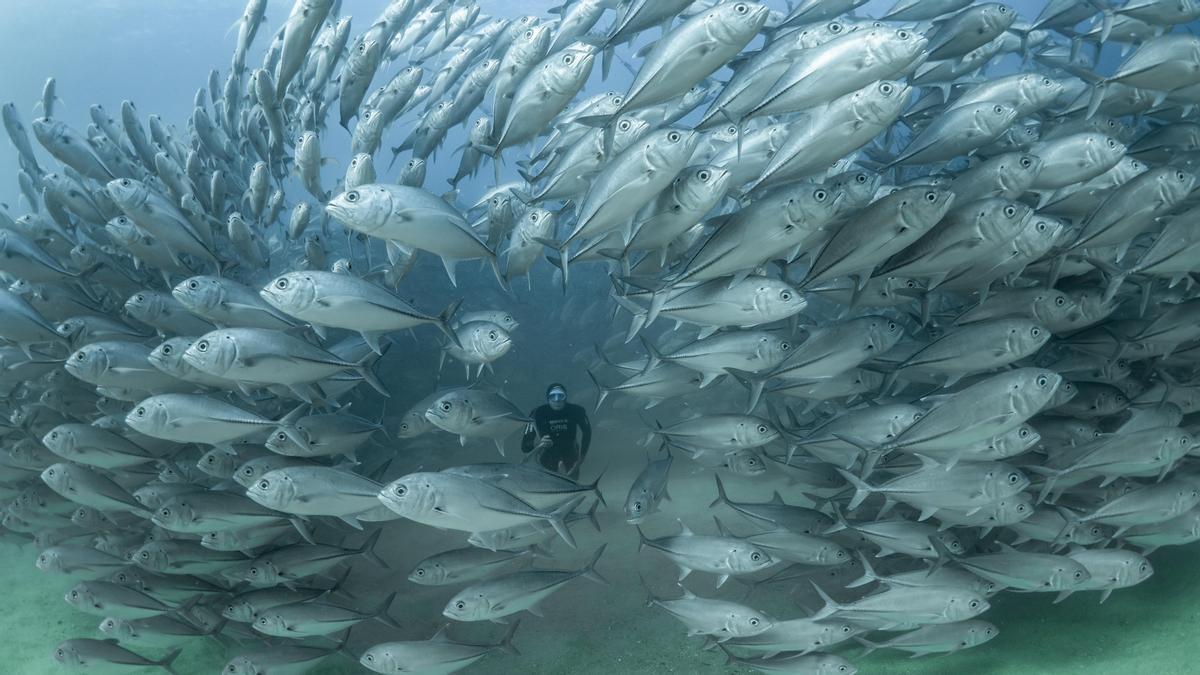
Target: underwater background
pixel 157 53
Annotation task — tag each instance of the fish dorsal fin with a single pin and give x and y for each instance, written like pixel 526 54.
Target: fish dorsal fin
pixel 684 531
pixel 777 498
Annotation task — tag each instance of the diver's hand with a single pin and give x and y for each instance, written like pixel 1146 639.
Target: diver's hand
pixel 543 442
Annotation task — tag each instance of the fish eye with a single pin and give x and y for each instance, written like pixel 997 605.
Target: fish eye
pixel 974 604
pixel 1041 226
pixel 166 350
pixel 202 346
pixel 281 284
pixel 1112 143
pixel 1060 301
pixel 886 88
pixel 902 34
pixel 528 35
pixel 820 195
pixel 931 197
pixel 624 125
pixel 1010 211
pixel 492 335
pixel 1179 175
pixel 145 555
pixel 79 355
pixel 1014 478
pixel 352 196
pixel 165 513
pixel 140 412
pixel 533 217
pixel 741 8
pixel 703 175
pixel 446 406
pixel 753 621
pixel 999 110
pixel 1025 162
pixel 460 605
pixel 193 284
pixel 569 59
pixel 674 137
pixel 1042 381
pixel 1023 433
pixel 1003 9
pixel 1143 567
pixel 400 490
pixel 264 484
pixel 756 556
pixel 784 345
pixel 1078 574
pixel 835 27
pixel 637 506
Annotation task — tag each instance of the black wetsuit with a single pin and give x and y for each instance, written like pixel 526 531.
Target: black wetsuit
pixel 560 426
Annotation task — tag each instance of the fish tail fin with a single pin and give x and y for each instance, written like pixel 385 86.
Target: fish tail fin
pixel 444 321
pixel 830 607
pixel 368 549
pixel 861 489
pixel 363 367
pixel 751 381
pixel 589 572
pixel 557 519
pixel 381 612
pixel 601 390
pixel 1116 276
pixel 650 599
pixel 868 574
pixel 657 300
pixel 564 257
pixel 722 498
pixel 594 486
pixel 944 555
pixel 871 646
pixel 591 515
pixel 506 643
pixel 166 661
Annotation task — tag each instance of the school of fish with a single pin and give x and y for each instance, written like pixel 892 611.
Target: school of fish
pixel 956 309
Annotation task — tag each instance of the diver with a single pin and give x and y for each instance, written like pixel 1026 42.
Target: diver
pixel 552 433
